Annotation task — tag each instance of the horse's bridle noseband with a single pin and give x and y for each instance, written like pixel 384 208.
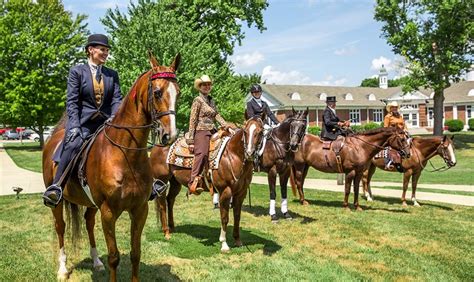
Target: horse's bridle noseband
pixel 300 134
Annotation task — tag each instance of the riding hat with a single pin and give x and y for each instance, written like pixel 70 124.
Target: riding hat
pixel 255 88
pixel 331 99
pixel 97 39
pixel 391 104
pixel 202 79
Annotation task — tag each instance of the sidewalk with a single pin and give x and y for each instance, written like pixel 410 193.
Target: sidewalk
pixel 13 176
pixel 330 185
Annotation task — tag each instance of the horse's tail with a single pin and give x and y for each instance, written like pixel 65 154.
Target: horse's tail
pixel 292 180
pixel 74 222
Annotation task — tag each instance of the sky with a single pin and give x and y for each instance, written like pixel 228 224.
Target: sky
pixel 307 42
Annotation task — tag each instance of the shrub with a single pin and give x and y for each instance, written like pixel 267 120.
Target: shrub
pixel 371 125
pixel 454 125
pixel 316 130
pixel 470 122
pixel 357 128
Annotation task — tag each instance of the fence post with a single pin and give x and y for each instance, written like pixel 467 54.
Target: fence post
pixel 340 179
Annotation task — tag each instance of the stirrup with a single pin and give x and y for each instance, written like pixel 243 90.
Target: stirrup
pixel 157 189
pixel 194 188
pixel 52 196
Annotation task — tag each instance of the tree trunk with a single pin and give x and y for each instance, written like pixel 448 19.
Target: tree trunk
pixel 40 133
pixel 438 112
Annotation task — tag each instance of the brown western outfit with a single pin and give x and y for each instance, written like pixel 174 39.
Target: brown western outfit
pixel 201 125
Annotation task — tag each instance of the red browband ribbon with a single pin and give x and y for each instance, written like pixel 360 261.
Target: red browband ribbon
pixel 163 75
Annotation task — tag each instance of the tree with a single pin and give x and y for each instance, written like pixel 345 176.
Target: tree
pixel 374 82
pixel 39 42
pixel 204 32
pixel 436 39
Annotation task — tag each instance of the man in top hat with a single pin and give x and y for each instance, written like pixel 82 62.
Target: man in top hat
pixel 93 97
pixel 332 125
pixel 257 107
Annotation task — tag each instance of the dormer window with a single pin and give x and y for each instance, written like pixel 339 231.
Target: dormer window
pixel 470 93
pixel 295 96
pixel 323 96
pixel 371 97
pixel 349 97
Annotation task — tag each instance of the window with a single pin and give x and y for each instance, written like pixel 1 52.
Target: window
pixel 323 96
pixel 371 97
pixel 430 113
pixel 469 111
pixel 349 97
pixel 378 115
pixel 414 120
pixel 471 92
pixel 354 116
pixel 295 96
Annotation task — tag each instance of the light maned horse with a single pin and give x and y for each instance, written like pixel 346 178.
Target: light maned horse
pixel 355 155
pixel 421 151
pixel 231 180
pixel 281 145
pixel 117 167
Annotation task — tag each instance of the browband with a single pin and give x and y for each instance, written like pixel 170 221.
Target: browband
pixel 163 75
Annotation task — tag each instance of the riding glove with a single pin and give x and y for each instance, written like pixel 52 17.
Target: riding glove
pixel 72 134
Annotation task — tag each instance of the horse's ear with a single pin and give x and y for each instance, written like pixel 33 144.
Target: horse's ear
pixel 176 62
pixel 153 62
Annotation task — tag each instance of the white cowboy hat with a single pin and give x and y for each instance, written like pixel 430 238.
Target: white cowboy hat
pixel 202 79
pixel 391 104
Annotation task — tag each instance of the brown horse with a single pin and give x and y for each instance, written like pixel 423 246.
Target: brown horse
pixel 231 180
pixel 355 155
pixel 422 150
pixel 281 144
pixel 117 167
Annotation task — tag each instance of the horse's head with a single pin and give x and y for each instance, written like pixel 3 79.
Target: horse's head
pixel 446 151
pixel 399 141
pixel 163 91
pixel 297 128
pixel 253 134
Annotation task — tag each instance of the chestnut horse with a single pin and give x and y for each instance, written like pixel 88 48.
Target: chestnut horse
pixel 355 155
pixel 117 167
pixel 422 150
pixel 231 180
pixel 281 144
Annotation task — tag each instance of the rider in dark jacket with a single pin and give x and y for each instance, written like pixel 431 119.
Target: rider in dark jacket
pixel 257 107
pixel 332 125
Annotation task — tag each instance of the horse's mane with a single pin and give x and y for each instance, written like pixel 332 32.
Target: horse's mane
pixel 375 131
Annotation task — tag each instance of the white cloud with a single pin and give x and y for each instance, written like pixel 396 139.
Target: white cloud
pixel 378 62
pixel 346 51
pixel 294 77
pixel 248 59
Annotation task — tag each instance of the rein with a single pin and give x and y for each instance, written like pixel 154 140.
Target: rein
pixel 440 169
pixel 155 115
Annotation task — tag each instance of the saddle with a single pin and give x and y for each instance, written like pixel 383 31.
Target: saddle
pixel 180 155
pixel 391 156
pixel 335 146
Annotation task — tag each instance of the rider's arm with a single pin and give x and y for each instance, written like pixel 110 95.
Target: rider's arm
pixel 193 120
pixel 72 97
pixel 250 111
pixel 271 115
pixel 221 120
pixel 386 121
pixel 117 97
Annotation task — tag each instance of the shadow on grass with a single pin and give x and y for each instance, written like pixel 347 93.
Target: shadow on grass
pixel 396 201
pixel 338 204
pixel 209 237
pixel 261 211
pixel 124 271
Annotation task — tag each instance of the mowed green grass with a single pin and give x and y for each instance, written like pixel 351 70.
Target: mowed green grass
pixel 27 155
pixel 323 242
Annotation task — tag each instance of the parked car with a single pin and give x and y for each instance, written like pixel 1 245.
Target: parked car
pixel 11 135
pixel 35 136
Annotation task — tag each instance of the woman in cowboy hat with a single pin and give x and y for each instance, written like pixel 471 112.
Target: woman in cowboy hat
pixel 394 118
pixel 93 96
pixel 201 125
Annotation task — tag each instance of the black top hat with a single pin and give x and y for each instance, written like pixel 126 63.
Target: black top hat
pixel 97 39
pixel 331 99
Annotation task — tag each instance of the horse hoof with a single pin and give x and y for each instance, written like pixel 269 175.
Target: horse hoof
pixel 238 243
pixel 369 199
pixel 359 208
pixel 415 204
pixel 167 236
pixel 225 248
pixel 63 276
pixel 404 204
pixel 99 267
pixel 305 203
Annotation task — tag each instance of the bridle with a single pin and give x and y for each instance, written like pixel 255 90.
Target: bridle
pixel 443 149
pixel 156 115
pixel 257 145
pixel 401 151
pixel 299 133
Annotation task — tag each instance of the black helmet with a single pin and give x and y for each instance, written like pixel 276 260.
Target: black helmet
pixel 255 88
pixel 97 39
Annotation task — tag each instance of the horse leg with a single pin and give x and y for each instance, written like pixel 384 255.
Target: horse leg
pixel 224 202
pixel 366 181
pixel 175 188
pixel 299 175
pixel 138 218
pixel 406 180
pixel 271 185
pixel 347 188
pixel 60 227
pixel 108 225
pixel 357 177
pixel 161 206
pixel 284 192
pixel 89 216
pixel 414 183
pixel 237 207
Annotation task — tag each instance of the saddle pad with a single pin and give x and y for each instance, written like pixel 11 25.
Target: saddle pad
pixel 181 157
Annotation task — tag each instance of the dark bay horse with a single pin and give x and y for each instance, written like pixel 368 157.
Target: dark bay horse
pixel 231 180
pixel 117 167
pixel 421 151
pixel 355 155
pixel 281 144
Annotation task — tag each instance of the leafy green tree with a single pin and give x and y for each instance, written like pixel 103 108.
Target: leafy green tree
pixel 436 39
pixel 203 32
pixel 370 82
pixel 39 42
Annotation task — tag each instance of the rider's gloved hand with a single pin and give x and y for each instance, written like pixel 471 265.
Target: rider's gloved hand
pixel 276 125
pixel 72 134
pixel 266 127
pixel 109 120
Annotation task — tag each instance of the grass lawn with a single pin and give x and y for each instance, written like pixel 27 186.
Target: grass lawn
pixel 27 155
pixel 323 242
